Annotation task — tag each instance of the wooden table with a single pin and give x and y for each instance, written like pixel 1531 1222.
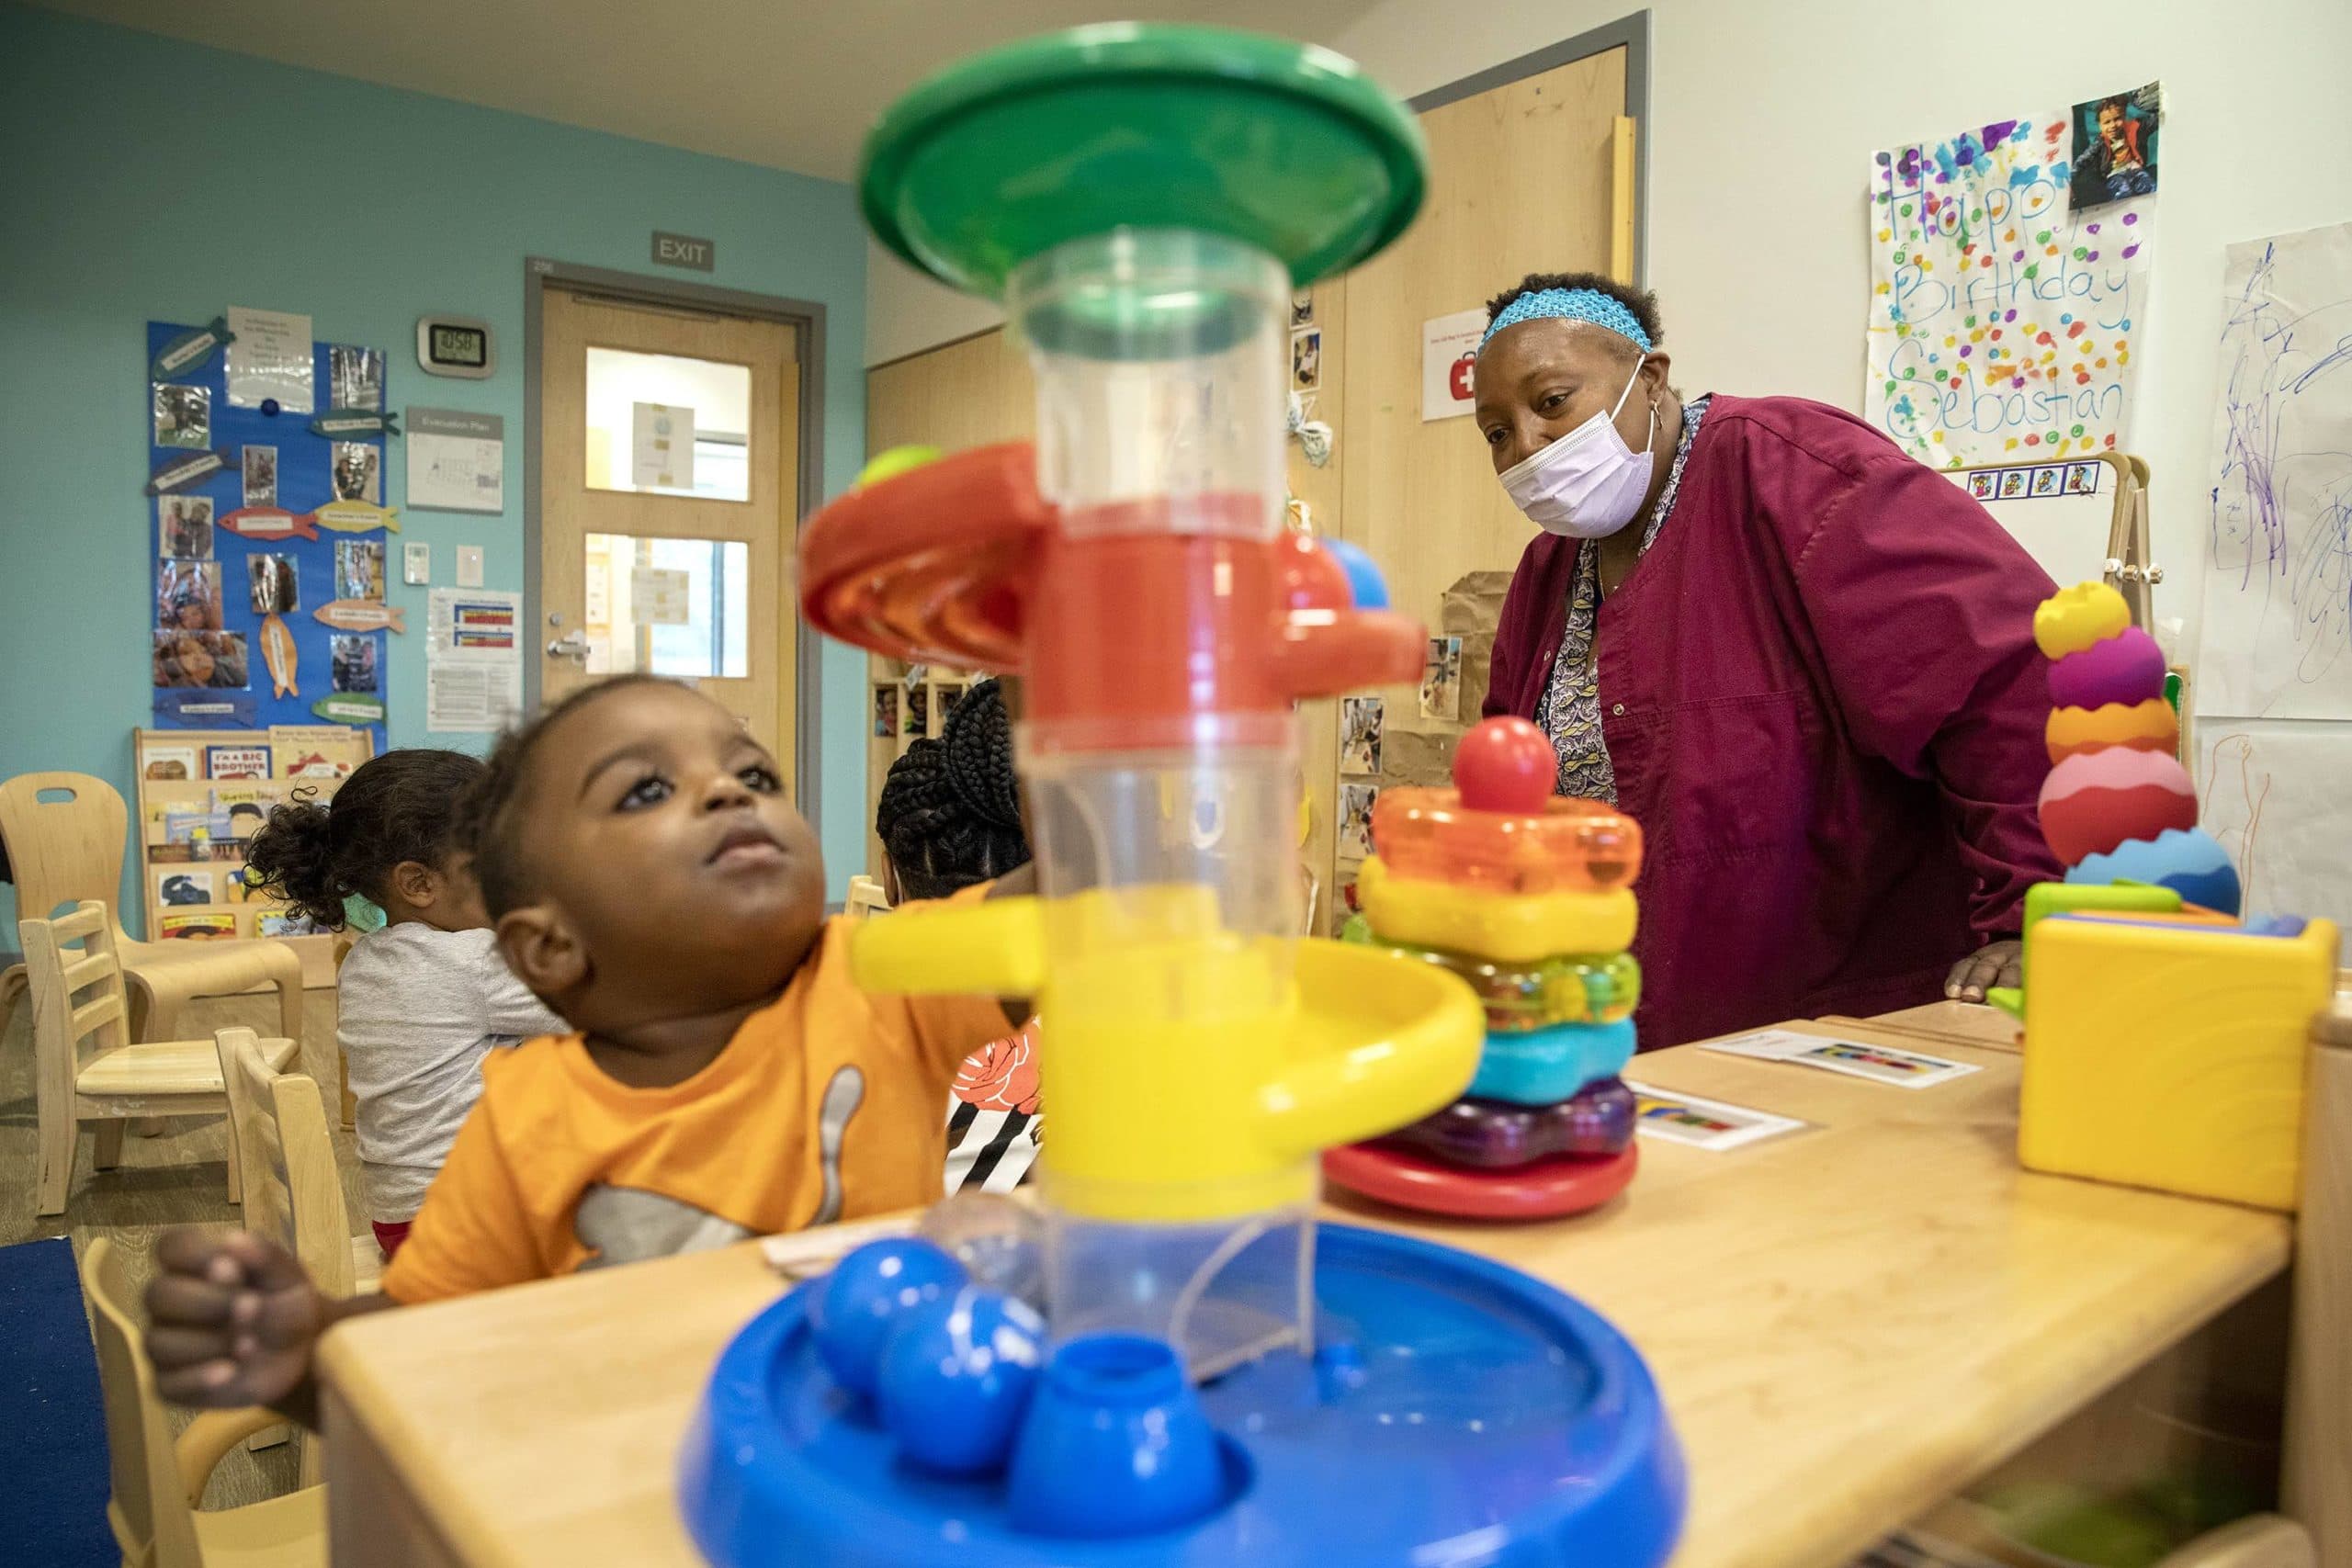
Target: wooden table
pixel 1849 1323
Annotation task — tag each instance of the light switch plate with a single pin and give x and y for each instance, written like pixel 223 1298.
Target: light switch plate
pixel 469 565
pixel 416 565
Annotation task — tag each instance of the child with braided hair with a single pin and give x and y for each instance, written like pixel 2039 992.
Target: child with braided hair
pixel 950 817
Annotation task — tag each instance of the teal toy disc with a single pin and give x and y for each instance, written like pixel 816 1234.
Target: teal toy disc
pixel 1284 146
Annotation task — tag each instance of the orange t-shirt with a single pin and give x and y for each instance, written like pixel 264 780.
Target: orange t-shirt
pixel 824 1106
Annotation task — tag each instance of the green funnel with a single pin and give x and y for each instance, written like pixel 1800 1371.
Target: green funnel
pixel 1283 146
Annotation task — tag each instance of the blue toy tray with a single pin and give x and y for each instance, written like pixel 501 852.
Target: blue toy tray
pixel 1457 1411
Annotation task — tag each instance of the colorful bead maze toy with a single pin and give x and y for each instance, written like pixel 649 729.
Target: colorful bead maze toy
pixel 2165 1036
pixel 1144 200
pixel 1528 898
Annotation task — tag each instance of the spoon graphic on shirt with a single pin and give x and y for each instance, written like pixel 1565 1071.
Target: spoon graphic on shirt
pixel 843 1094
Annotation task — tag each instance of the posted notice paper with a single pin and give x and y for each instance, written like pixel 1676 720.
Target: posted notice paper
pixel 473 664
pixel 271 358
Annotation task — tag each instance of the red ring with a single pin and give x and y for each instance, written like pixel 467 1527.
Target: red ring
pixel 1548 1188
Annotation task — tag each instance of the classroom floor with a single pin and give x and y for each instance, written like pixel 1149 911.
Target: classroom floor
pixel 177 1177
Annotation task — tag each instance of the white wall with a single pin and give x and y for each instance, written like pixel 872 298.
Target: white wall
pixel 1763 115
pixel 907 312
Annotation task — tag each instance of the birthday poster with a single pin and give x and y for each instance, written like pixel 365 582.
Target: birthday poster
pixel 2009 268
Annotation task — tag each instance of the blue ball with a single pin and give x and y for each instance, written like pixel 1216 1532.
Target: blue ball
pixel 956 1376
pixel 862 1300
pixel 1364 582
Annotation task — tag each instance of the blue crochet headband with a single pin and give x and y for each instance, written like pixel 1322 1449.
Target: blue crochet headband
pixel 1571 305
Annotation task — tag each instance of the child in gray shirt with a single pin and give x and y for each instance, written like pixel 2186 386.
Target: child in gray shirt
pixel 421 1001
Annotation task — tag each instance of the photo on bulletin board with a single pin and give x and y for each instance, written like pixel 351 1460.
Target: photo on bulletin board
pixel 359 570
pixel 183 523
pixel 1360 735
pixel 183 415
pixel 917 710
pixel 214 661
pixel 1306 360
pixel 948 698
pixel 358 472
pixel 1355 819
pixel 188 595
pixel 1441 680
pixel 886 713
pixel 274 584
pixel 355 665
pixel 1302 308
pixel 355 379
pixel 2115 147
pixel 260 464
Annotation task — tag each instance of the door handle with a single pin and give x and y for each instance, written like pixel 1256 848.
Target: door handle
pixel 571 645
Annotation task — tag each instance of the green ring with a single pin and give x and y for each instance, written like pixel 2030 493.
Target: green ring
pixel 1283 145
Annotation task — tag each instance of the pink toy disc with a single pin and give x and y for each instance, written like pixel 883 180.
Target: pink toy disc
pixel 2127 668
pixel 1546 1189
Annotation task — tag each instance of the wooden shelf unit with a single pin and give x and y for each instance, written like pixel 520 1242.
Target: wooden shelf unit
pixel 220 861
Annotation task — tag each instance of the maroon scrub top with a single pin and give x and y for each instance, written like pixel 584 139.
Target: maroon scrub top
pixel 1822 698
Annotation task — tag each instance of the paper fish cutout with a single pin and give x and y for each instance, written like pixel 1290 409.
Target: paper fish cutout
pixel 190 349
pixel 356 517
pixel 268 523
pixel 362 616
pixel 346 707
pixel 278 652
pixel 178 473
pixel 344 425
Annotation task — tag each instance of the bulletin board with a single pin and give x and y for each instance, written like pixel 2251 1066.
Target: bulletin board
pixel 271 551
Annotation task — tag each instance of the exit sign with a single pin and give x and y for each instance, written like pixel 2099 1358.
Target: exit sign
pixel 685 250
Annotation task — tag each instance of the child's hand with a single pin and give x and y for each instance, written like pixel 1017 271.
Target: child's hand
pixel 231 1319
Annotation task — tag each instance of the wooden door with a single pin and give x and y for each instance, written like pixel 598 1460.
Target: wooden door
pixel 972 392
pixel 1534 176
pixel 669 477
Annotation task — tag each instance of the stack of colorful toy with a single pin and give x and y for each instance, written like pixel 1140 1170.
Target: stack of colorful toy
pixel 1528 898
pixel 2118 808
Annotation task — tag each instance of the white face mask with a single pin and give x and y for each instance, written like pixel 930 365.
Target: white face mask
pixel 1589 483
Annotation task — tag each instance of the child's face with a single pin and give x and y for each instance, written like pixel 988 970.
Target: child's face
pixel 670 874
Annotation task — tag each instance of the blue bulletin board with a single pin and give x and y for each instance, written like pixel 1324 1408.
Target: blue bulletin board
pixel 272 543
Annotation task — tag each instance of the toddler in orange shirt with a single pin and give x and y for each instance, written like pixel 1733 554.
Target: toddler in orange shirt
pixel 650 881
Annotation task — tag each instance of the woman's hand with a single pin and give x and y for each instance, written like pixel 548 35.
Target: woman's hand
pixel 1995 964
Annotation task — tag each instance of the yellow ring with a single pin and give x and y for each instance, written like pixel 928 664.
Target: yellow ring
pixel 1505 927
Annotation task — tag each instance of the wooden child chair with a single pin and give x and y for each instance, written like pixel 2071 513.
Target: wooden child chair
pixel 159 1484
pixel 86 1065
pixel 865 897
pixel 293 1193
pixel 68 848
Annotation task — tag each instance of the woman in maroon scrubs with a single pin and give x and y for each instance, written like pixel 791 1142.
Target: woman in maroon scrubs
pixel 1802 660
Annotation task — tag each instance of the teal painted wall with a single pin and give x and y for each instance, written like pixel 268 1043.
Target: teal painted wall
pixel 147 179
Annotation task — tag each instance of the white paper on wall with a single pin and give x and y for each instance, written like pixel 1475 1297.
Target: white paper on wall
pixel 270 358
pixel 2277 796
pixel 2276 634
